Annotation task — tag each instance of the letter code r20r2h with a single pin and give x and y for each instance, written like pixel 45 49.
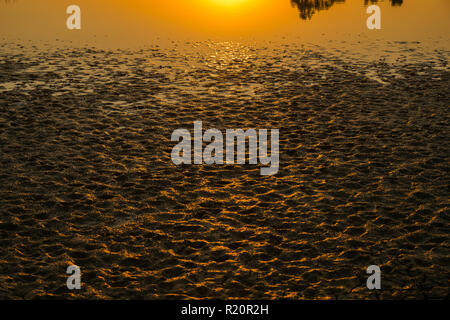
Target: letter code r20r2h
pixel 246 309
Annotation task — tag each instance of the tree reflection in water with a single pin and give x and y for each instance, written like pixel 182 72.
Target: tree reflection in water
pixel 307 8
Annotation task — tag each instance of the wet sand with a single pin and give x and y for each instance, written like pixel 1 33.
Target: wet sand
pixel 86 176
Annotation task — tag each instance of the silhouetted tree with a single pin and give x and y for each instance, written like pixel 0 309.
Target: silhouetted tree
pixel 307 8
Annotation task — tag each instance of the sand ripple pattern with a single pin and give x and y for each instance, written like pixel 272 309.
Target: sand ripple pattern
pixel 86 176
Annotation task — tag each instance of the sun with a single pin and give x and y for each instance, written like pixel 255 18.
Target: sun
pixel 229 3
pixel 218 17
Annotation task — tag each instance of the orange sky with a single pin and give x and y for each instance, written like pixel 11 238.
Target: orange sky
pixel 137 20
pixel 218 16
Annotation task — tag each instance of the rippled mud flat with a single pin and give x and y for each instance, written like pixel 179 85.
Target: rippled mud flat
pixel 86 176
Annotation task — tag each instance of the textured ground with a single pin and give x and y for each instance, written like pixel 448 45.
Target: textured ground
pixel 86 176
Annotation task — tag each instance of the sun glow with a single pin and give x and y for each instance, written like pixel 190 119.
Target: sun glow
pixel 227 17
pixel 217 17
pixel 230 2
